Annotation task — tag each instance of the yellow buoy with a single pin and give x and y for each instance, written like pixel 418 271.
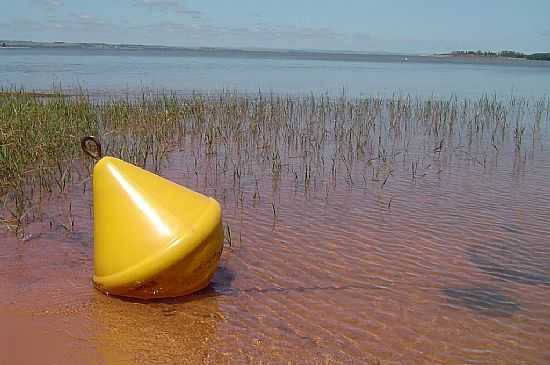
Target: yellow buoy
pixel 152 238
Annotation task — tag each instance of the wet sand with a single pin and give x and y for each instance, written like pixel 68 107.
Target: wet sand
pixel 452 267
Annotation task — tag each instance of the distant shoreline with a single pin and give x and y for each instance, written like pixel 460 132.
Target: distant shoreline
pixel 477 57
pixel 294 53
pixel 135 46
pixel 513 55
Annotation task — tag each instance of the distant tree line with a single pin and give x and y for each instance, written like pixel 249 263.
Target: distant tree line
pixel 539 56
pixel 512 54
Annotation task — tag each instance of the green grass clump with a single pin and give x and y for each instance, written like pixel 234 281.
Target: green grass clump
pixel 38 141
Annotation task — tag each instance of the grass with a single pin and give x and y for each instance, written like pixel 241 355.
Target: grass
pixel 309 140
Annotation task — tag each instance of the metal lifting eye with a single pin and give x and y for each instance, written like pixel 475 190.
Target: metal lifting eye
pixel 85 144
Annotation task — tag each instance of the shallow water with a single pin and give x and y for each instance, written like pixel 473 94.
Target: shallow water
pixel 117 70
pixel 422 244
pixel 450 266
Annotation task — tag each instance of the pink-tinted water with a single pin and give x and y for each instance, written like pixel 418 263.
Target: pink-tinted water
pixel 452 267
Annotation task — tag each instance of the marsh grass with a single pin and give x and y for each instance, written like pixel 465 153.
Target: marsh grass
pixel 313 142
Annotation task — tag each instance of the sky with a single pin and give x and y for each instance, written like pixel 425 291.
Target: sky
pixel 412 26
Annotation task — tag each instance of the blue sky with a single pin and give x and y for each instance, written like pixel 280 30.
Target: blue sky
pixel 418 26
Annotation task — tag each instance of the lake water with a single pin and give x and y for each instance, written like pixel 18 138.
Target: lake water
pixel 184 70
pixel 396 231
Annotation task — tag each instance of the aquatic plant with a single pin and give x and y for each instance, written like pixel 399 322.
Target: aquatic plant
pixel 317 142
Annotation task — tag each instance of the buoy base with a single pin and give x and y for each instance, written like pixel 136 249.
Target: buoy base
pixel 188 275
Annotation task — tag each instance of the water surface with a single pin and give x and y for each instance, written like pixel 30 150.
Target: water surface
pixel 415 251
pixel 123 70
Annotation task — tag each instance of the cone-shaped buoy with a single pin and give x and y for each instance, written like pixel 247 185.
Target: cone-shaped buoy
pixel 152 238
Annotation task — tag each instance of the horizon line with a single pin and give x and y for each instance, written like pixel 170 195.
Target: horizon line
pixel 236 48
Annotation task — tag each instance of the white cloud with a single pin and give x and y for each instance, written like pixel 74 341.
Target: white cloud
pixel 50 4
pixel 173 6
pixel 264 30
pixel 77 27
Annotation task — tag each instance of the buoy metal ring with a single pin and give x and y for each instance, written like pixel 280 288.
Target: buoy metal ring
pixel 85 144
